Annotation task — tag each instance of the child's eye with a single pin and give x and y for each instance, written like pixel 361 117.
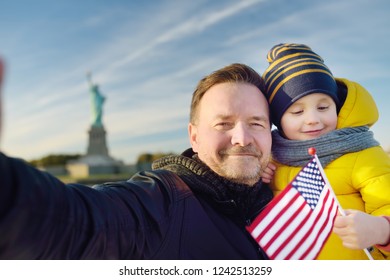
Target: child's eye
pixel 296 112
pixel 323 108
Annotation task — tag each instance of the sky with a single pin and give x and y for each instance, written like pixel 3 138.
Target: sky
pixel 148 56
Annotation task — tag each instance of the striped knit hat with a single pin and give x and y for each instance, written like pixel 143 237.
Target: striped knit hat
pixel 295 71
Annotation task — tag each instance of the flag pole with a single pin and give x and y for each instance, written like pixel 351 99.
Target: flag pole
pixel 312 151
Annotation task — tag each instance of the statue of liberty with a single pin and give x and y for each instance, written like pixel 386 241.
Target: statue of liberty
pixel 97 100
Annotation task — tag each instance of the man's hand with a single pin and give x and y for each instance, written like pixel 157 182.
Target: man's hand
pixel 359 230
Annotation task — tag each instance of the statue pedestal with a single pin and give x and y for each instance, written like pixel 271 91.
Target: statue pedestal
pixel 97 160
pixel 97 144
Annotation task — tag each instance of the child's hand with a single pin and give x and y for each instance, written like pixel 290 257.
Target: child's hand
pixel 268 173
pixel 359 230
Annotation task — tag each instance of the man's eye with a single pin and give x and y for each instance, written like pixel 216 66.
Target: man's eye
pixel 323 108
pixel 224 125
pixel 258 124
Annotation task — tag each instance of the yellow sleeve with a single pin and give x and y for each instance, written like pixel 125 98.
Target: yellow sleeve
pixel 371 175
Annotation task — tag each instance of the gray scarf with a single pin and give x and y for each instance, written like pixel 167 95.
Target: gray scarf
pixel 329 146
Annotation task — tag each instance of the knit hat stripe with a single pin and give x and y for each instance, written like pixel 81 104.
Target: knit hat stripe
pixel 288 78
pixel 288 58
pixel 291 48
pixel 277 52
pixel 281 71
pixel 305 64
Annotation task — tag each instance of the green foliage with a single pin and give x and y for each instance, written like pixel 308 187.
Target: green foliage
pixel 54 160
pixel 62 159
pixel 147 157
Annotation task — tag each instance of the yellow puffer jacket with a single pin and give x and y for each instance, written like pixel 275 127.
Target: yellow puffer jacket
pixel 360 180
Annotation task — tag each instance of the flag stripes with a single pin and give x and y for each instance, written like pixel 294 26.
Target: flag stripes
pixel 298 221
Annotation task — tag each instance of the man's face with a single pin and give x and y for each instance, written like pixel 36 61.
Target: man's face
pixel 232 133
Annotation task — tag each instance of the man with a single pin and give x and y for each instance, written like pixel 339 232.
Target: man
pixel 192 206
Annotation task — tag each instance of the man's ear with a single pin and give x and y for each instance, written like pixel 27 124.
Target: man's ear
pixel 193 135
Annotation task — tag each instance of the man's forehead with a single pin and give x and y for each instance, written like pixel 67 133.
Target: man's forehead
pixel 227 99
pixel 233 92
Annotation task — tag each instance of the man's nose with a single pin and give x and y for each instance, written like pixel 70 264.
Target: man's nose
pixel 241 135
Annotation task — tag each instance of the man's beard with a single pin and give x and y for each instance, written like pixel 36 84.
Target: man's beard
pixel 246 170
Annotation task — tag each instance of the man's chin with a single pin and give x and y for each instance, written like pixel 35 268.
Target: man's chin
pixel 243 164
pixel 244 175
pixel 249 181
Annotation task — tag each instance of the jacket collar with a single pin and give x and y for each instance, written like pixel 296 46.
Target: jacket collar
pixel 224 194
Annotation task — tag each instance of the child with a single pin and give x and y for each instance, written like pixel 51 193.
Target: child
pixel 310 108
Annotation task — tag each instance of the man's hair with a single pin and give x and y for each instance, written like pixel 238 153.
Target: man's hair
pixel 234 73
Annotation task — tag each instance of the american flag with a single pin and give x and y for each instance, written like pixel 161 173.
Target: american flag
pixel 298 221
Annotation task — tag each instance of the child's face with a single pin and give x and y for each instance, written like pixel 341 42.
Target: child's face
pixel 310 117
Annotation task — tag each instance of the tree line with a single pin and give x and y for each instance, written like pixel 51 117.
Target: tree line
pixel 62 159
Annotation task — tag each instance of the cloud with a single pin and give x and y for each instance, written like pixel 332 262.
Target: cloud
pixel 147 58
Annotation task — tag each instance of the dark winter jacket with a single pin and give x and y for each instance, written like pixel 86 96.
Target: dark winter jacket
pixel 153 215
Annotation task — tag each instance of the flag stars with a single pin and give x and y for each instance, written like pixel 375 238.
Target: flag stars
pixel 310 184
